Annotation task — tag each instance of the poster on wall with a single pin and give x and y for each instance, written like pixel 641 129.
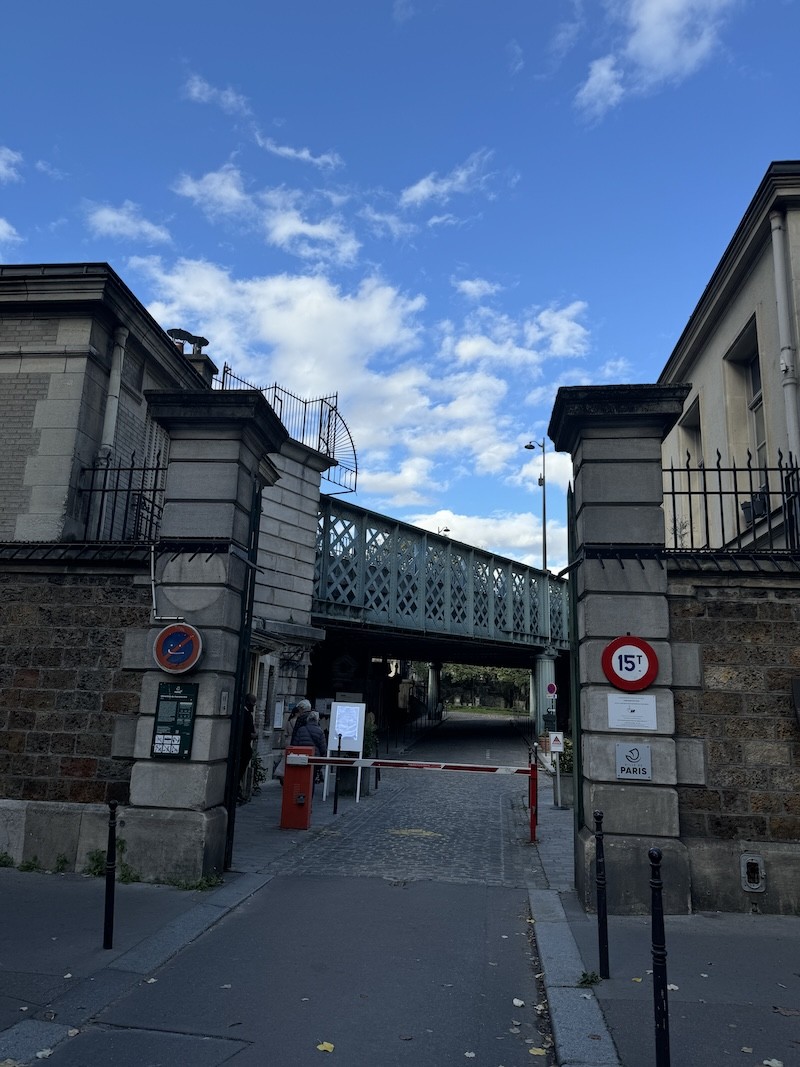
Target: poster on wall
pixel 632 711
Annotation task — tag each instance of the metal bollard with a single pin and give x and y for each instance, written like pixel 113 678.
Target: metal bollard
pixel 336 782
pixel 602 903
pixel 660 1001
pixel 533 792
pixel 111 876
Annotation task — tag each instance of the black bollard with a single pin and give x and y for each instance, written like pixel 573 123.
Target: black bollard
pixel 660 1002
pixel 602 903
pixel 111 875
pixel 336 781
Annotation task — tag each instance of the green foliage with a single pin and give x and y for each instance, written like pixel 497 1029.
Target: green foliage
pixel 208 881
pixel 125 873
pixel 62 863
pixel 30 865
pixel 370 737
pixel 482 685
pixel 259 773
pixel 95 863
pixel 589 978
pixel 6 860
pixel 568 756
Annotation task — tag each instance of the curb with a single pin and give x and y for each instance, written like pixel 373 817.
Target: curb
pixel 580 1033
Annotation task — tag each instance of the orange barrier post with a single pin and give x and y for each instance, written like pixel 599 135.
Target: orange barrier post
pixel 298 786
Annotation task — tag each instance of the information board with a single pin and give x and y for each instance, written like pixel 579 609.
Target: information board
pixel 174 725
pixel 347 719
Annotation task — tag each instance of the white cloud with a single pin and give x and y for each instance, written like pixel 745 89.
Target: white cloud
pixel 516 536
pixel 408 485
pixel 470 176
pixel 443 220
pixel 47 168
pixel 8 235
pixel 662 42
pixel 475 288
pixel 326 161
pixel 302 331
pixel 387 223
pixel 516 58
pixel 126 221
pixel 278 214
pixel 220 192
pixel 403 10
pixel 559 329
pixel 602 89
pixel 285 227
pixel 200 91
pixel 9 164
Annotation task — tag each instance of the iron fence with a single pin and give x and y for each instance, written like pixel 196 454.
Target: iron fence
pixel 124 502
pixel 316 423
pixel 732 508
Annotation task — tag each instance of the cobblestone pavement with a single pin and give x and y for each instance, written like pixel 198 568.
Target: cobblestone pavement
pixel 449 826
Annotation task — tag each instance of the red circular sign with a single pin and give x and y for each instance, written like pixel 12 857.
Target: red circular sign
pixel 630 663
pixel 177 648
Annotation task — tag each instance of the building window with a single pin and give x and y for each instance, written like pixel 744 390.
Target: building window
pixel 756 404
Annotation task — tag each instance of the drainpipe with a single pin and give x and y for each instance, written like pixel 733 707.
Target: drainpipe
pixel 112 401
pixel 787 359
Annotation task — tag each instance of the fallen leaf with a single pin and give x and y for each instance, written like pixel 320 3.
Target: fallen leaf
pixel 49 1052
pixel 786 1011
pixel 636 979
pixel 531 921
pixel 470 1055
pixel 325 1046
pixel 586 996
pixel 537 1051
pixel 226 986
pixel 73 1032
pixel 151 981
pixel 744 1048
pixel 673 987
pixel 23 1009
pixel 514 1030
pixel 772 1063
pixel 703 975
pixel 68 975
pixel 518 1003
pixel 504 937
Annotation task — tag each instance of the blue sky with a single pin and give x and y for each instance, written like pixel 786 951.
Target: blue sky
pixel 442 210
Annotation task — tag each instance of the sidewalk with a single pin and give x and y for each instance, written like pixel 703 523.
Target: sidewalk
pixel 734 980
pixel 738 977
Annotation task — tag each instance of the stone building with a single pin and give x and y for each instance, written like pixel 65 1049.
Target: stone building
pixel 685 526
pixel 139 498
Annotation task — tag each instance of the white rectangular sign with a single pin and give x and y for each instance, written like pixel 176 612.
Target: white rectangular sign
pixel 632 711
pixel 634 763
pixel 557 742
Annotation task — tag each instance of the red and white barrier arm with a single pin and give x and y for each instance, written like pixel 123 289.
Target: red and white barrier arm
pixel 299 759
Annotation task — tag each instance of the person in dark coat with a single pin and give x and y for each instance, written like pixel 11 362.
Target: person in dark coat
pixel 308 732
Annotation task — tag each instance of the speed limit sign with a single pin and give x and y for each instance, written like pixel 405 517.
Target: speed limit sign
pixel 630 663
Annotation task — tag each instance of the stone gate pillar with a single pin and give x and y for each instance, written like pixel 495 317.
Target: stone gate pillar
pixel 614 434
pixel 219 446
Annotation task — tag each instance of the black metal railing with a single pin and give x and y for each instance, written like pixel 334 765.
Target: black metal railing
pixel 316 423
pixel 123 502
pixel 732 508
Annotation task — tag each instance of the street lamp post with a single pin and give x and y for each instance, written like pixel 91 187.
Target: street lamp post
pixel 531 445
pixel 545 670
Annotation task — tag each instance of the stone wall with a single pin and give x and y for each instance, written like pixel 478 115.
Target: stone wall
pixel 744 635
pixel 65 699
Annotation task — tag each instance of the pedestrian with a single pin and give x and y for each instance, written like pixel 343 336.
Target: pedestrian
pixel 288 730
pixel 247 737
pixel 308 732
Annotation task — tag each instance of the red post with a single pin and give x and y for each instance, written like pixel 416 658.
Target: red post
pixel 298 789
pixel 533 795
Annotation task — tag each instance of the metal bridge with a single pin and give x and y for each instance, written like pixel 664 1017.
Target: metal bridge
pixel 418 595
